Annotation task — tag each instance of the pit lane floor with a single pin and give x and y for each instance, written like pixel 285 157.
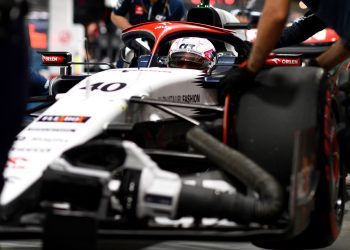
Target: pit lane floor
pixel 343 243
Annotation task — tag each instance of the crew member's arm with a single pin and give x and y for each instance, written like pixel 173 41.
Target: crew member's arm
pixel 271 24
pixel 120 21
pixel 301 29
pixel 118 14
pixel 334 55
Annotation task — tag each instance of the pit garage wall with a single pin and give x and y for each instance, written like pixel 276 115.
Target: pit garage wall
pixel 64 35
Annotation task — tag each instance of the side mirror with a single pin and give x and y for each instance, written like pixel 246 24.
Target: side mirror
pixel 123 55
pixel 126 58
pixel 226 59
pixel 162 61
pixel 159 61
pixel 143 61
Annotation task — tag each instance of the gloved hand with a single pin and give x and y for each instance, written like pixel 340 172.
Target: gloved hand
pixel 313 62
pixel 237 79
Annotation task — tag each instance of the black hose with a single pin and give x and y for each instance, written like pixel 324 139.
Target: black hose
pixel 204 202
pixel 38 107
pixel 45 98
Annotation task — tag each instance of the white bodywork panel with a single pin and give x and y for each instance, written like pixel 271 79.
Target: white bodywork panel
pixel 80 115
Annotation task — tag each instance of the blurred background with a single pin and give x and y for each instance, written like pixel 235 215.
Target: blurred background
pixel 63 25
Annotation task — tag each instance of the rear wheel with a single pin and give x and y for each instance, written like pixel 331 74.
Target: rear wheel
pixel 290 100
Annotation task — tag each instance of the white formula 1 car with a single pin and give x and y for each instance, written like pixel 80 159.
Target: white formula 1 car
pixel 151 152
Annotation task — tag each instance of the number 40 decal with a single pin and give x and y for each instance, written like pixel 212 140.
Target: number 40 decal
pixel 106 87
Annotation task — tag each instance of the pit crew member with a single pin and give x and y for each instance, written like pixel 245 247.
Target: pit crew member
pixel 140 11
pixel 301 29
pixel 271 24
pixel 13 71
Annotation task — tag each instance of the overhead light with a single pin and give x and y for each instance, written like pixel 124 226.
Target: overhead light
pixel 302 5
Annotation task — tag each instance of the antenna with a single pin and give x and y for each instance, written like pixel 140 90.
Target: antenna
pixel 87 54
pixel 88 85
pixel 204 4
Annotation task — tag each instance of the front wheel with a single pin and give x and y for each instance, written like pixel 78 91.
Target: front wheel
pixel 286 101
pixel 327 217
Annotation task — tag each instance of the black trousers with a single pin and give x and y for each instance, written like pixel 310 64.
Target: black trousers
pixel 13 75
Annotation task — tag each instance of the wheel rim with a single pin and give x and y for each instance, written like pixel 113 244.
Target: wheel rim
pixel 332 167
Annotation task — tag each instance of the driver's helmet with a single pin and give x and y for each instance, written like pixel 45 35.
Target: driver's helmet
pixel 192 53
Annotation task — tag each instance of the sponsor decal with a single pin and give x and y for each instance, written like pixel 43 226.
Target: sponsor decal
pixel 163 25
pixel 53 59
pixel 191 98
pixel 161 70
pixel 209 54
pixel 39 139
pixel 156 70
pixel 195 98
pixel 283 62
pixel 138 10
pixel 276 60
pixel 106 87
pixel 31 150
pixel 187 46
pixel 160 18
pixel 16 163
pixel 52 130
pixel 170 98
pixel 64 118
pixel 20 138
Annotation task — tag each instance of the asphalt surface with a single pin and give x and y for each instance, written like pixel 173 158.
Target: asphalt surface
pixel 343 243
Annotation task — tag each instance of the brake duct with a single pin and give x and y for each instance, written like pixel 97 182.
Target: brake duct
pixel 243 209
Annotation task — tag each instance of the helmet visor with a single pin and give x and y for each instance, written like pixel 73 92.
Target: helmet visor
pixel 188 61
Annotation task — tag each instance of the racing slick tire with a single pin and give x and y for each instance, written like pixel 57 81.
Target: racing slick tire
pixel 287 100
